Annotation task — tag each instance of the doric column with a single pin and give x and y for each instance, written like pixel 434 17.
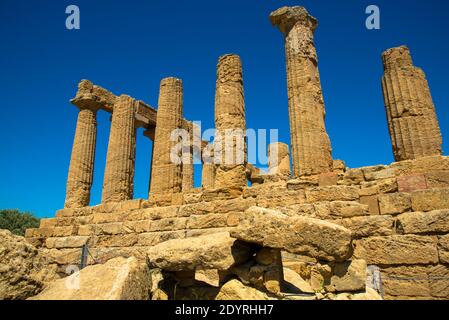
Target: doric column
pixel 279 159
pixel 118 182
pixel 311 148
pixel 230 124
pixel 208 170
pixel 81 169
pixel 166 176
pixel 187 161
pixel 411 117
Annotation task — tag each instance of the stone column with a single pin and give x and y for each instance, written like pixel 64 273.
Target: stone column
pixel 187 164
pixel 118 182
pixel 411 117
pixel 279 159
pixel 310 144
pixel 81 169
pixel 166 176
pixel 230 124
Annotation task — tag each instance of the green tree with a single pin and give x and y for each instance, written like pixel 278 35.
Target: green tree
pixel 17 222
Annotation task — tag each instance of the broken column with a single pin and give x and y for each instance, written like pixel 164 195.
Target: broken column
pixel 187 160
pixel 310 144
pixel 166 175
pixel 411 117
pixel 81 169
pixel 279 159
pixel 118 182
pixel 208 171
pixel 230 124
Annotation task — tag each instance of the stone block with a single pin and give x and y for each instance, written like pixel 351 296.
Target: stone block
pixel 207 221
pixel 443 249
pixel 153 238
pixel 431 199
pixel 66 242
pixel 394 203
pixel 332 193
pixel 437 179
pixel 424 222
pixel 362 227
pixel 412 183
pixel 397 250
pixel 328 179
pixel 372 202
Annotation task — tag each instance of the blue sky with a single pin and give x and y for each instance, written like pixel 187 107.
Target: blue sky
pixel 129 46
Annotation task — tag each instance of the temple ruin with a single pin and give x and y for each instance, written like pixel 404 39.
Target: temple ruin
pixel 319 224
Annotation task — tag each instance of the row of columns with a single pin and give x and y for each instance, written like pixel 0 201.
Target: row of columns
pixel 411 117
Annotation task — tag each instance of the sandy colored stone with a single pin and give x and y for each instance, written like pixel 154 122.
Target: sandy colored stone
pixel 81 169
pixel 301 235
pixel 310 144
pixel 332 193
pixel 372 202
pixel 235 290
pixel 410 183
pixel 437 179
pixel 411 116
pixel 294 282
pixel 117 279
pixel 229 142
pixel 209 276
pixel 394 203
pixel 348 277
pixel 279 159
pixel 369 226
pixel 432 199
pixel 166 176
pixel 424 222
pixel 397 250
pixel 443 249
pixel 118 184
pixel 24 271
pixel 215 251
pixel 348 209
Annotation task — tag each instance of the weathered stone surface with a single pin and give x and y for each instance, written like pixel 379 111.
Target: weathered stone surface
pixel 394 203
pixel 235 290
pixel 301 235
pixel 166 176
pixel 437 179
pixel 424 222
pixel 362 227
pixel 372 202
pixel 443 249
pixel 24 271
pixel 279 159
pixel 81 169
pixel 66 242
pixel 432 199
pixel 411 117
pixel 348 277
pixel 397 250
pixel 118 182
pixel 347 209
pixel 117 279
pixel 332 193
pixel 311 148
pixel 229 142
pixel 294 282
pixel 215 251
pixel 412 183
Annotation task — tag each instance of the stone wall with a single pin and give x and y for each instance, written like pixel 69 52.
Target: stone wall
pixel 398 215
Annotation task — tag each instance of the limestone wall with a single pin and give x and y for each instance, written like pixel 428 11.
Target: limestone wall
pixel 399 216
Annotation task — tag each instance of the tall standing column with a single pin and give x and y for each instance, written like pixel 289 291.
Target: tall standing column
pixel 187 161
pixel 166 176
pixel 411 117
pixel 118 182
pixel 81 169
pixel 230 124
pixel 310 144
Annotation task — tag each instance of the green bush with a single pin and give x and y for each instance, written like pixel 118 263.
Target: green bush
pixel 17 222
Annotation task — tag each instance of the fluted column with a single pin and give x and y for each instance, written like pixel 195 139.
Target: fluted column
pixel 118 182
pixel 230 124
pixel 166 176
pixel 411 117
pixel 187 162
pixel 279 159
pixel 310 144
pixel 81 169
pixel 208 169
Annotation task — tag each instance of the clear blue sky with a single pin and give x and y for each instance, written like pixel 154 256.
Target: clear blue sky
pixel 129 46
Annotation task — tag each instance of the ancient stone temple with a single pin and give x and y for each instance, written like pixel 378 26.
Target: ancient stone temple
pixel 320 230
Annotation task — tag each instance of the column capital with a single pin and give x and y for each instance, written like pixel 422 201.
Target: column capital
pixel 397 57
pixel 85 97
pixel 286 18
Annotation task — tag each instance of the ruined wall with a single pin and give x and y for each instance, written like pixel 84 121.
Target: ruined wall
pixel 399 216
